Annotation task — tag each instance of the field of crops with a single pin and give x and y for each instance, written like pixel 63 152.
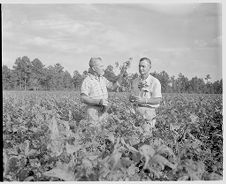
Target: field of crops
pixel 47 139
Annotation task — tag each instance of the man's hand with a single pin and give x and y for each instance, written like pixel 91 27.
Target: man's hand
pixel 123 70
pixel 104 105
pixel 131 99
pixel 142 85
pixel 136 99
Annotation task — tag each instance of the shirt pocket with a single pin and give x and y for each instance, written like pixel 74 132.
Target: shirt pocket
pixel 95 89
pixel 146 92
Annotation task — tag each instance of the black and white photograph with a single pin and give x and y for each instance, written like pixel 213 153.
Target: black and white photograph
pixel 112 91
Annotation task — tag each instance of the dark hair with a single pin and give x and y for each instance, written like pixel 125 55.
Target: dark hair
pixel 147 59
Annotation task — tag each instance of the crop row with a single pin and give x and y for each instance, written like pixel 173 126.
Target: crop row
pixel 46 138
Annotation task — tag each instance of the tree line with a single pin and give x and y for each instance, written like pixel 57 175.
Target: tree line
pixel 33 75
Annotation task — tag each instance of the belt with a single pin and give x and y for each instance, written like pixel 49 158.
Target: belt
pixel 140 105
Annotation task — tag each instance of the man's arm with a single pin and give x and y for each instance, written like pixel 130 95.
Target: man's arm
pixel 151 101
pixel 157 95
pixel 88 100
pixel 116 84
pixel 85 90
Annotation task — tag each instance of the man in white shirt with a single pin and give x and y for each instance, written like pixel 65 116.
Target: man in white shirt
pixel 148 95
pixel 94 91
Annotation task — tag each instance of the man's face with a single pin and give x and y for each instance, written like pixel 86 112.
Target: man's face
pixel 99 67
pixel 144 67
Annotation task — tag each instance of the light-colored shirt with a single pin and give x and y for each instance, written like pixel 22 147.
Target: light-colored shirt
pixel 96 87
pixel 152 89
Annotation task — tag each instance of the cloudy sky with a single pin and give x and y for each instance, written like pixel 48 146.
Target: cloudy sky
pixel 178 38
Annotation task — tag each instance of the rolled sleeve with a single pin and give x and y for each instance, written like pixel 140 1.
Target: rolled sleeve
pixel 157 90
pixel 85 88
pixel 109 84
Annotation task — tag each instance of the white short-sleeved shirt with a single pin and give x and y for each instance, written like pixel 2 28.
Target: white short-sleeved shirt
pixel 153 89
pixel 95 87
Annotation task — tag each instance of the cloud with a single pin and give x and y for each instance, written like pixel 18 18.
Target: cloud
pixel 56 23
pixel 46 43
pixel 173 51
pixel 7 32
pixel 171 8
pixel 64 26
pixel 209 43
pixel 216 41
pixel 39 41
pixel 82 33
pixel 200 43
pixel 88 8
pixel 7 25
pixel 7 35
pixel 114 39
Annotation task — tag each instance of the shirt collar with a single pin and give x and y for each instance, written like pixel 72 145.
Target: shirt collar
pixel 149 79
pixel 92 76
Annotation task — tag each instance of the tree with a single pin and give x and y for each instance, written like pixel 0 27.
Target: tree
pixel 182 83
pixel 109 74
pixel 54 77
pixel 173 84
pixel 207 78
pixel 67 80
pixel 84 74
pixel 22 67
pixel 48 82
pixel 77 80
pixel 217 86
pixel 208 86
pixel 59 76
pixel 14 80
pixel 37 76
pixel 6 77
pixel 197 85
pixel 164 80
